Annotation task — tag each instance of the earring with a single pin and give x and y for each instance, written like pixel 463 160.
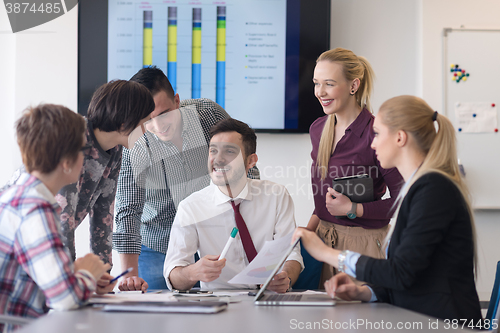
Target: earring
pixel 353 92
pixel 67 171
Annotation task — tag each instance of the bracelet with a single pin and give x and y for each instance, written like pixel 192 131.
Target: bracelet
pixel 341 259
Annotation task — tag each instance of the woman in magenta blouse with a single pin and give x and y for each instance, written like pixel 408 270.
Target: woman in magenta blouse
pixel 341 147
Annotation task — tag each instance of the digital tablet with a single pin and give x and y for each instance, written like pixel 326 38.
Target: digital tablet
pixel 358 188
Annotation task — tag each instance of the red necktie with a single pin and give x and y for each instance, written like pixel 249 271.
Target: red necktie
pixel 244 234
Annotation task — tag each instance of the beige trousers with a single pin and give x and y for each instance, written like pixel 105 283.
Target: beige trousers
pixel 365 241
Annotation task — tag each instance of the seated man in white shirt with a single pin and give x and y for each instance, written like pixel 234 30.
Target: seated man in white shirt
pixel 205 219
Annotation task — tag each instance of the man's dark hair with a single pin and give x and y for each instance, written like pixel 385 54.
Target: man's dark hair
pixel 155 80
pixel 232 125
pixel 119 105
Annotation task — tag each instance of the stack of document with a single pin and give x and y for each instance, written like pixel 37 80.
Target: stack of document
pixel 168 307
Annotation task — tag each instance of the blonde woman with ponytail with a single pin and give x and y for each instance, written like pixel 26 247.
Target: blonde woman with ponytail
pixel 431 250
pixel 341 148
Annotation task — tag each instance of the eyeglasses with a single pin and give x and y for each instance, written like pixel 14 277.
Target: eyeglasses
pixel 85 148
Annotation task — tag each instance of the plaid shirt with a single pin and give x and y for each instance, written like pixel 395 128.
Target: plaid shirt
pixel 93 195
pixel 155 177
pixel 36 271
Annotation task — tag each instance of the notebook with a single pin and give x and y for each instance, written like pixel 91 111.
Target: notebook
pixel 168 307
pixel 290 299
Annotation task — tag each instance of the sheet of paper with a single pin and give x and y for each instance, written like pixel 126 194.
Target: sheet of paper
pixel 263 264
pixel 208 297
pixel 479 117
pixel 310 292
pixel 224 293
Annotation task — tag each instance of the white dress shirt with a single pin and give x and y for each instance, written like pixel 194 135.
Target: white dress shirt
pixel 205 219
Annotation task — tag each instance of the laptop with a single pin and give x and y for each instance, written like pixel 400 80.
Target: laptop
pixel 168 307
pixel 290 299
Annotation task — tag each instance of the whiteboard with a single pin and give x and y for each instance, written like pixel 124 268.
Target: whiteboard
pixel 477 51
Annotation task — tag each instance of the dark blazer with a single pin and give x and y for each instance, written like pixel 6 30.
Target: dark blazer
pixel 430 259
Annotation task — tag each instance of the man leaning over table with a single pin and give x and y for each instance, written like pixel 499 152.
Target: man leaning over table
pixel 165 166
pixel 205 219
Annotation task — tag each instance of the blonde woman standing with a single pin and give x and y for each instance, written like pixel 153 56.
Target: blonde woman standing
pixel 341 148
pixel 431 254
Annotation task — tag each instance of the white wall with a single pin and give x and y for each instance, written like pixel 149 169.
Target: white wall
pixel 387 33
pixel 7 96
pixel 436 15
pixel 37 65
pixel 401 39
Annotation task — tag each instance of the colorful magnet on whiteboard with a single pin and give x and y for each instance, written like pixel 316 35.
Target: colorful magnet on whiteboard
pixel 474 115
pixel 454 74
pixel 492 105
pixel 453 78
pixel 464 78
pixel 463 70
pixel 496 130
pixel 467 74
pixel 452 70
pixel 459 74
pixel 452 66
pixel 460 130
pixel 456 66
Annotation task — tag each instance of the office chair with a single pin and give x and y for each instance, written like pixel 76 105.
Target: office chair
pixel 309 278
pixel 495 297
pixel 496 330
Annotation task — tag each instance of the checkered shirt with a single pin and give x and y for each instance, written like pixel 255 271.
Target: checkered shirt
pixel 155 177
pixel 36 271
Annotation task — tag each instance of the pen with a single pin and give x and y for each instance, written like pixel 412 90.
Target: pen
pixel 190 291
pixel 229 242
pixel 128 270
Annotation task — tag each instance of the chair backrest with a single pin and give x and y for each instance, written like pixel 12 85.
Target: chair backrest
pixel 495 297
pixel 310 276
pixel 496 330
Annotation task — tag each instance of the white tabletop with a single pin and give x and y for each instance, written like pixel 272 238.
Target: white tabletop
pixel 245 317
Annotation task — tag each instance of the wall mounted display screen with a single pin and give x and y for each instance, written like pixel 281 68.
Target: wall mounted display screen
pixel 253 57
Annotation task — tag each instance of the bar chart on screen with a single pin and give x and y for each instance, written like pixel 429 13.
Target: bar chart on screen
pixel 228 51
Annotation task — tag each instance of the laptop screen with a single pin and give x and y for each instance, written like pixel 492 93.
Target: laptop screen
pixel 276 269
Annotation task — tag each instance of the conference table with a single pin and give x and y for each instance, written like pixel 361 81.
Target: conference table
pixel 244 316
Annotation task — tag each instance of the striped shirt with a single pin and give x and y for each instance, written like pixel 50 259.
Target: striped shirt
pixel 155 177
pixel 36 271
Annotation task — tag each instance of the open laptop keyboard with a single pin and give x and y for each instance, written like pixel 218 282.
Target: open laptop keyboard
pixel 283 297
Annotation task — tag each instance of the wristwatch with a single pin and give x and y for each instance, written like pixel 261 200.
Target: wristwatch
pixel 352 213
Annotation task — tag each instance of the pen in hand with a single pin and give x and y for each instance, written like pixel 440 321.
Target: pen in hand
pixel 230 241
pixel 128 270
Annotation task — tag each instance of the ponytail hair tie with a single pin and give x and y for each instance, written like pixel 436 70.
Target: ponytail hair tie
pixel 434 116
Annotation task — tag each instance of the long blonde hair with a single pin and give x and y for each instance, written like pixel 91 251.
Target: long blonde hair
pixel 414 116
pixel 354 67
